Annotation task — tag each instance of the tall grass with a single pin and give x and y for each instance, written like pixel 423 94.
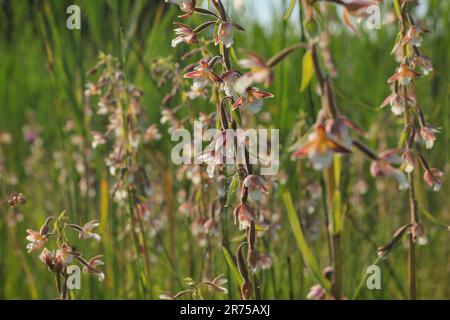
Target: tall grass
pixel 43 73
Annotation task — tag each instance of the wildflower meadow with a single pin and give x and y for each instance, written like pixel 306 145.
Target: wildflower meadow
pixel 224 150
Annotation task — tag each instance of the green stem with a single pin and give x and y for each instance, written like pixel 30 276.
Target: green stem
pixel 408 122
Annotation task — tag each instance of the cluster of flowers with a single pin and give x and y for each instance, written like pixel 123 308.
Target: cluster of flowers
pixel 413 64
pixel 332 135
pixel 58 260
pixel 129 141
pixel 233 92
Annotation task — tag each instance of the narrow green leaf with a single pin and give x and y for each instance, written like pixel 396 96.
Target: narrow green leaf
pixel 289 10
pixel 307 70
pixel 234 56
pixel 301 242
pixel 232 266
pixel 337 199
pixel 234 184
pixel 337 212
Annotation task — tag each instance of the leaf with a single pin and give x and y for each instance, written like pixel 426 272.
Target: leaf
pixel 430 217
pixel 398 9
pixel 234 184
pixel 398 40
pixel 337 212
pixel 232 266
pixel 337 198
pixel 103 203
pixel 233 56
pixel 301 242
pixel 289 10
pixel 307 70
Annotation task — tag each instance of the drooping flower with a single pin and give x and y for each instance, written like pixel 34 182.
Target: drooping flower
pixel 184 33
pixel 256 186
pixel 216 285
pixel 418 234
pixel 215 153
pixel 383 168
pixel 414 36
pixel 404 75
pixel 37 240
pixel 320 148
pixel 197 92
pixel 432 177
pixel 47 257
pixel 259 72
pixel 187 6
pixel 427 133
pixel 316 292
pixel 91 266
pixel 85 232
pixel 397 103
pixel 152 134
pixel 408 161
pixel 224 34
pixel 65 254
pixel 338 129
pixel 243 214
pixel 202 74
pixel 252 100
pixel 229 79
pixel 358 8
pixel 423 63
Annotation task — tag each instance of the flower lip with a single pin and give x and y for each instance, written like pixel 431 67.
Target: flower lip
pixel 320 148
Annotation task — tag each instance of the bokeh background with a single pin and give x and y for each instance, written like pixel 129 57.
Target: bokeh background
pixel 43 73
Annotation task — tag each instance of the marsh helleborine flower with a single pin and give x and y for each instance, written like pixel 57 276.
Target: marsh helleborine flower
pixel 404 75
pixel 383 168
pixel 184 33
pixel 252 100
pixel 187 6
pixel 320 149
pixel 202 74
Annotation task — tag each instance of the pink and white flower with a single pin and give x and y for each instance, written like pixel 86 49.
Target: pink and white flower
pixel 404 75
pixel 92 267
pixel 202 75
pixel 187 6
pixel 37 240
pixel 259 72
pixel 317 292
pixel 383 168
pixel 224 34
pixel 432 177
pixel 427 133
pixel 320 148
pixel 229 79
pixel 185 34
pixel 252 99
pixel 422 62
pixel 397 103
pixel 414 36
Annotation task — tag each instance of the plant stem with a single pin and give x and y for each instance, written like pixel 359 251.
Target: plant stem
pixel 408 123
